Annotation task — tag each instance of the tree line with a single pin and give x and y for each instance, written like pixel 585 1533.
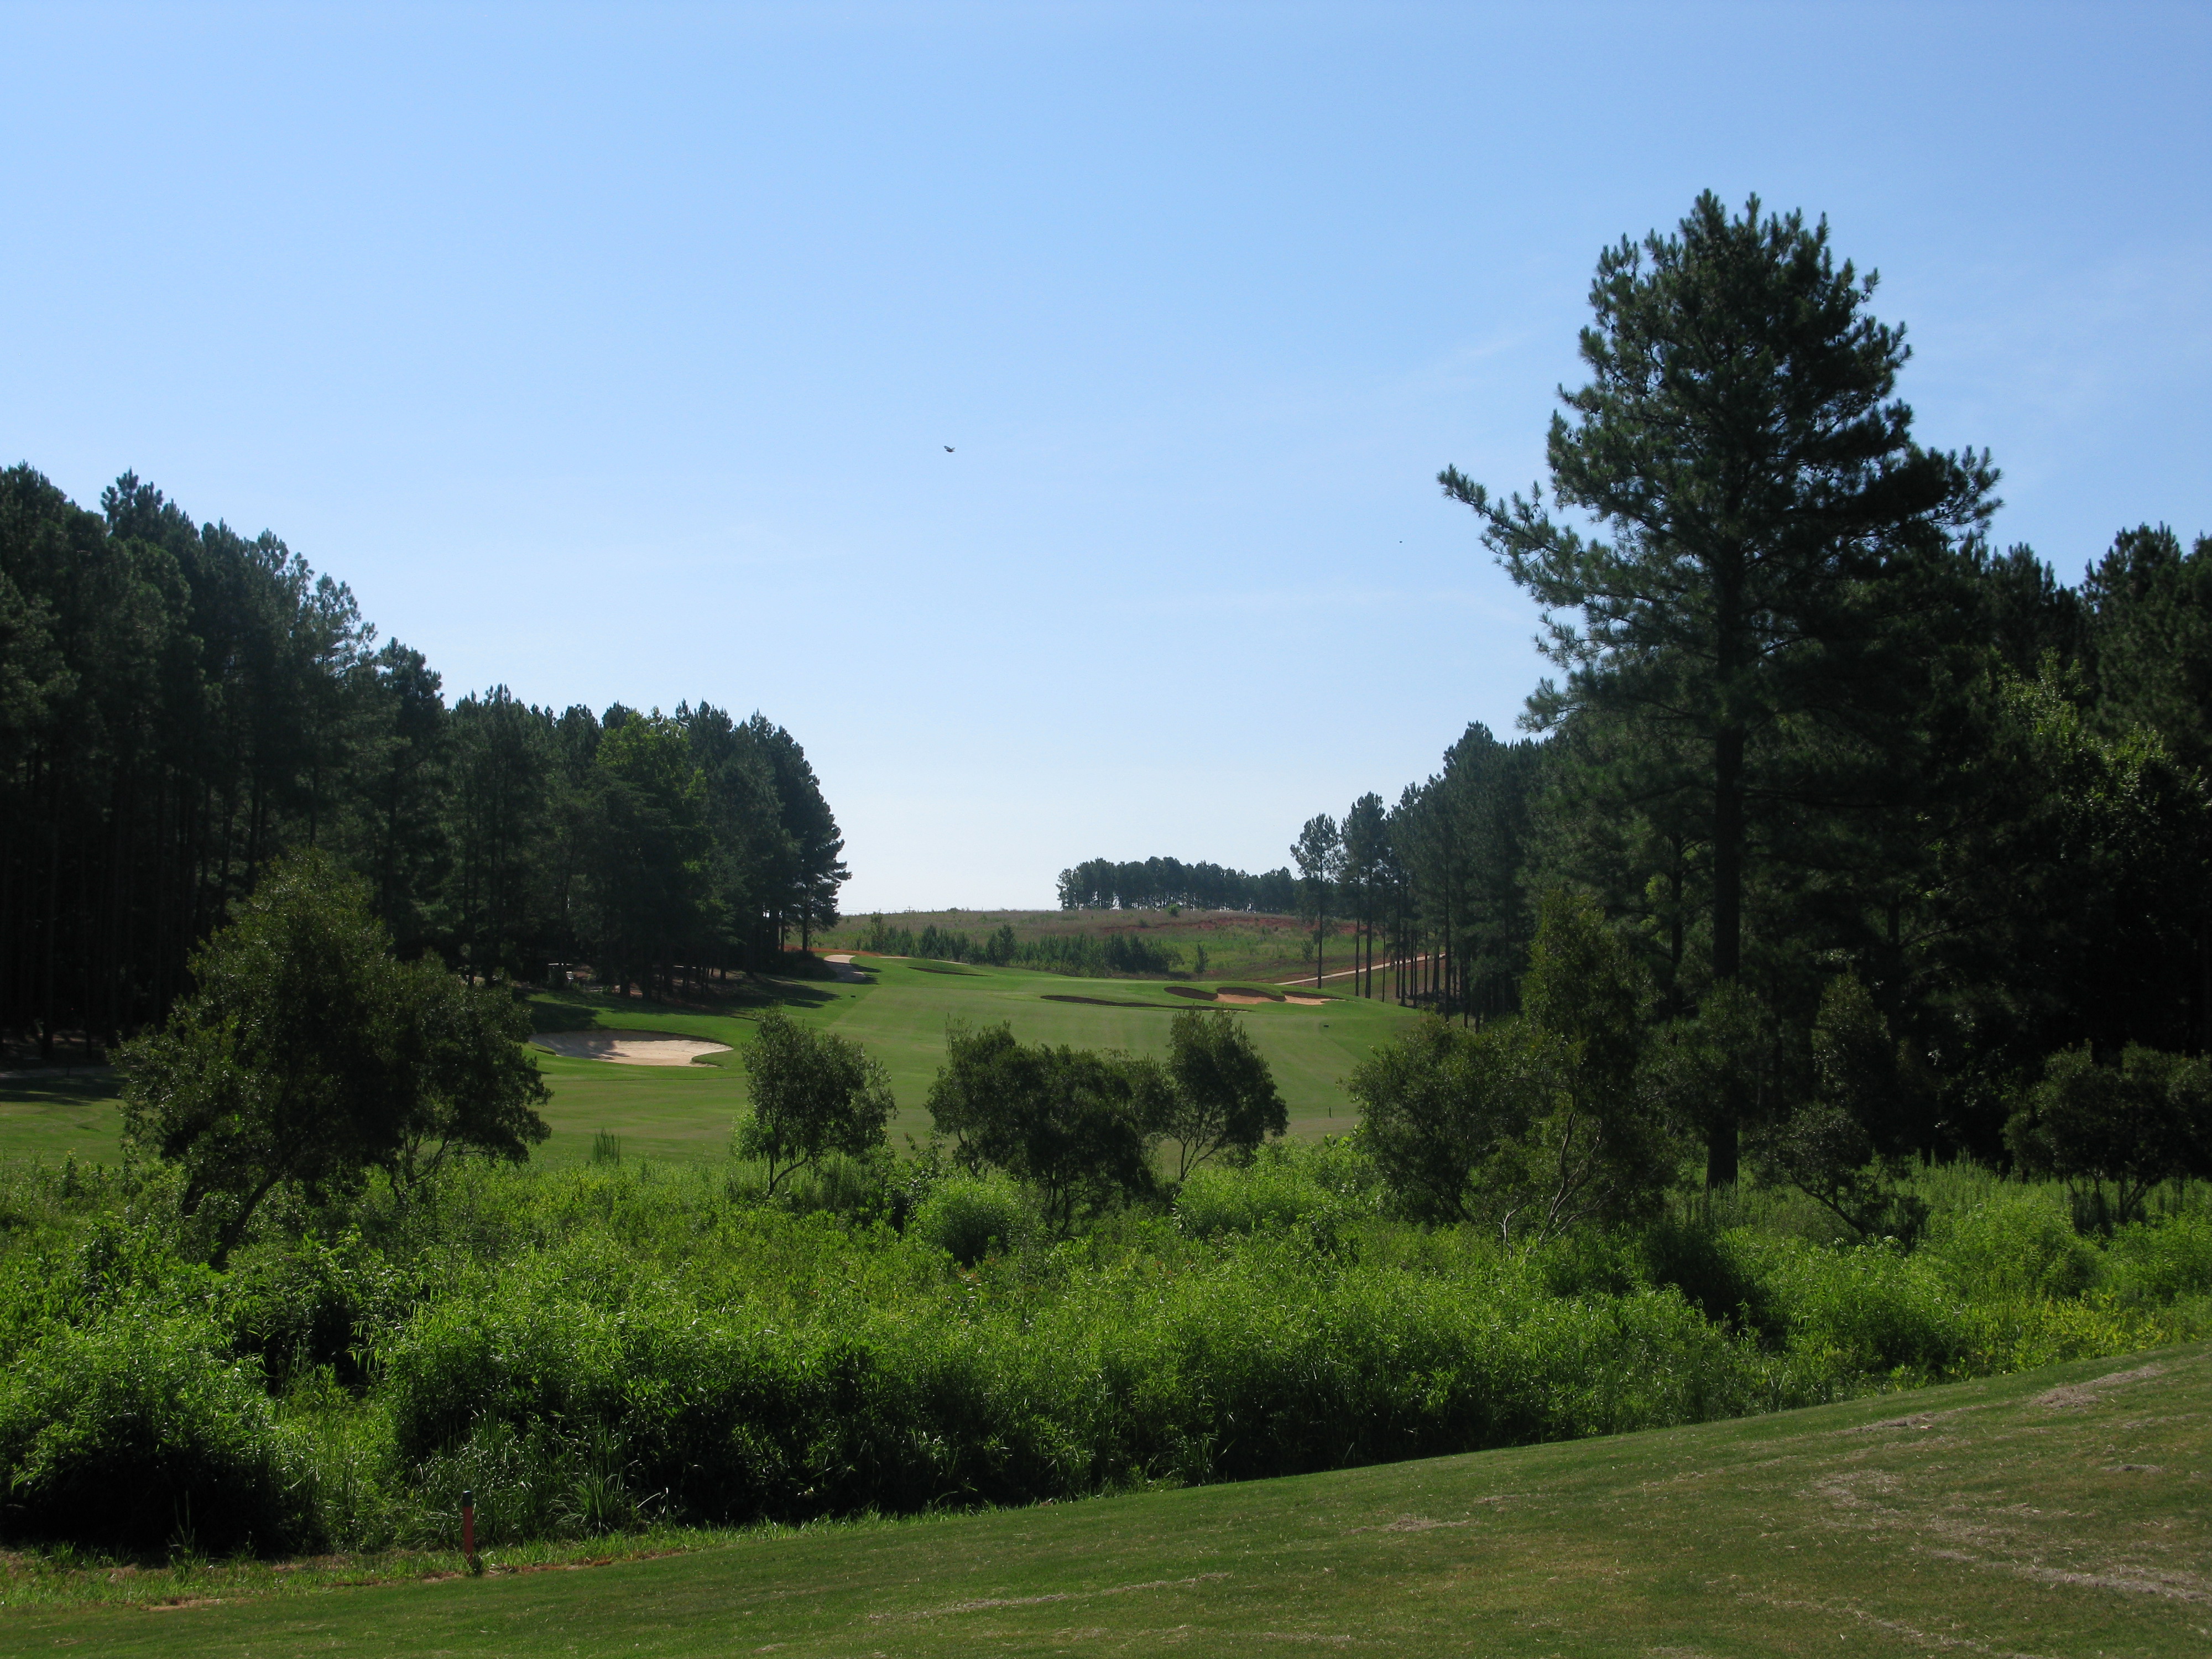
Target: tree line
pixel 1813 736
pixel 1059 953
pixel 1157 883
pixel 182 705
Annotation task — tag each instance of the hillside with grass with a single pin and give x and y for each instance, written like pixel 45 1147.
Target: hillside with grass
pixel 1177 940
pixel 2055 1512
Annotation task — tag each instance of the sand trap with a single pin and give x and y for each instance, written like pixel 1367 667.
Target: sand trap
pixel 1308 1002
pixel 628 1047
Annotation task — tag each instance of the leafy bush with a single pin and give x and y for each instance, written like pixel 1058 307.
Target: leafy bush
pixel 603 1347
pixel 2154 1263
pixel 139 1433
pixel 2021 1246
pixel 1714 1271
pixel 969 1217
pixel 1272 1192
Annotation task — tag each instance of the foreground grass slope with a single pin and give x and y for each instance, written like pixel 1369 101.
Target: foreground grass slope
pixel 2064 1511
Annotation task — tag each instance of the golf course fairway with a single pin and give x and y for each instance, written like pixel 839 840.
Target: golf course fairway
pixel 2062 1512
pixel 896 1008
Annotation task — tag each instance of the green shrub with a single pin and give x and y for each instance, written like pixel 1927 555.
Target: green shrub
pixel 2021 1245
pixel 2154 1263
pixel 1714 1271
pixel 1867 1311
pixel 969 1217
pixel 598 1348
pixel 311 1305
pixel 139 1433
pixel 1216 1199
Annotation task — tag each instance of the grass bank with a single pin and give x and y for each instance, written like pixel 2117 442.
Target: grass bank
pixel 2059 1512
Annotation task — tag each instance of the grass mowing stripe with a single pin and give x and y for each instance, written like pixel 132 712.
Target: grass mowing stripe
pixel 2062 1512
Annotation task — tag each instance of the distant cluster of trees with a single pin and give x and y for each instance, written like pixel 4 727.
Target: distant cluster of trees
pixel 181 705
pixel 1156 883
pixel 1811 730
pixel 1059 953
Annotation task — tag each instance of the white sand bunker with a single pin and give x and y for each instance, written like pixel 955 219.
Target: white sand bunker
pixel 628 1047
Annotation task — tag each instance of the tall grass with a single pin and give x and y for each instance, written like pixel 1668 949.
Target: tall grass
pixel 617 1346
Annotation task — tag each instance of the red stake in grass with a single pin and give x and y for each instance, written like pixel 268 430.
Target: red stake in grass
pixel 469 1527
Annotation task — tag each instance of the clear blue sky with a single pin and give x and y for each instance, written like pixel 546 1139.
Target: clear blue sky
pixel 611 352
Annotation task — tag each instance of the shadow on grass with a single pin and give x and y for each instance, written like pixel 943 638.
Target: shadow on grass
pixel 579 1011
pixel 60 1087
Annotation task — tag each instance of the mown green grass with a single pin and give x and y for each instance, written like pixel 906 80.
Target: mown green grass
pixel 899 1016
pixel 61 1112
pixel 2065 1511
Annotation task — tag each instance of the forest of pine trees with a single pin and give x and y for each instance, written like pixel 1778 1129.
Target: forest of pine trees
pixel 2019 870
pixel 179 705
pixel 1157 883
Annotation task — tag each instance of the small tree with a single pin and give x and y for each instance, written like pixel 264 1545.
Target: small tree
pixel 1597 1151
pixel 1843 1148
pixel 813 1093
pixel 307 1055
pixel 476 1088
pixel 1716 1067
pixel 1072 1123
pixel 1532 1126
pixel 1435 1107
pixel 2146 1121
pixel 1223 1096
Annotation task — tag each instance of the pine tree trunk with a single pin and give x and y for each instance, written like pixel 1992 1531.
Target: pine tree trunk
pixel 1721 1138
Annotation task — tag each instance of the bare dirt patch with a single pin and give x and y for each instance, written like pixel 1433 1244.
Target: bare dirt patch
pixel 2086 1394
pixel 629 1048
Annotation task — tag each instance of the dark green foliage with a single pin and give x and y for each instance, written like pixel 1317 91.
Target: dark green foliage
pixel 1532 1127
pixel 181 706
pixel 1319 853
pixel 1772 546
pixel 1156 883
pixel 2144 1121
pixel 1221 1096
pixel 814 1094
pixel 307 1055
pixel 969 1217
pixel 2150 639
pixel 1070 1123
pixel 1843 1146
pixel 1451 871
pixel 138 1433
pixel 1087 955
pixel 1436 1104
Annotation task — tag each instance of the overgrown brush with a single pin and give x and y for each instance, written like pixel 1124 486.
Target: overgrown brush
pixel 616 1346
